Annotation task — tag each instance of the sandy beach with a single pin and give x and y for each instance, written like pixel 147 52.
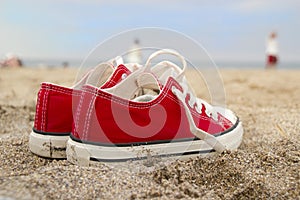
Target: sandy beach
pixel 267 164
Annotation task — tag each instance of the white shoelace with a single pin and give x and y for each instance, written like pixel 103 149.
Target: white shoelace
pixel 208 138
pixel 198 103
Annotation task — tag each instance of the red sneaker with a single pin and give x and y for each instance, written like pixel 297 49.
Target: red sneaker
pixel 55 108
pixel 139 116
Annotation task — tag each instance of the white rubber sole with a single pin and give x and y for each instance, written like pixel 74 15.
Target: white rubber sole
pixel 47 145
pixel 81 154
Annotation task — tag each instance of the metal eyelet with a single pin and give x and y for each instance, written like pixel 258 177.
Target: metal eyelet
pixel 123 76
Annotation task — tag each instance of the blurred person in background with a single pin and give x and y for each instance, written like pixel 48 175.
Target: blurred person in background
pixel 272 51
pixel 11 60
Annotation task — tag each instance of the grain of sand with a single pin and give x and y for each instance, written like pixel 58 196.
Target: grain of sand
pixel 267 164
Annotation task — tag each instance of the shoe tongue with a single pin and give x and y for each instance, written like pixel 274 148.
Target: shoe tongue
pixel 100 75
pixel 164 70
pixel 136 84
pixel 103 70
pixel 147 85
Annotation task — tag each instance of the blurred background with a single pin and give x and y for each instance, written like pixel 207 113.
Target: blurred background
pixel 63 32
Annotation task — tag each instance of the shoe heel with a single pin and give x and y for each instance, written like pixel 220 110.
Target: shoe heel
pixel 77 155
pixel 48 146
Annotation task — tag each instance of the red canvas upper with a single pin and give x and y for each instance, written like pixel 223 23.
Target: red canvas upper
pixel 54 108
pixel 106 119
pixel 56 104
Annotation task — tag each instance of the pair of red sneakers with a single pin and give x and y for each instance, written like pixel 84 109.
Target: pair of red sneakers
pixel 112 118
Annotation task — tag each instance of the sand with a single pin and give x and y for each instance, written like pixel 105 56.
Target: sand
pixel 267 164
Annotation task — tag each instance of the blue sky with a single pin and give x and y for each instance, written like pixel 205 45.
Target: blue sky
pixel 68 29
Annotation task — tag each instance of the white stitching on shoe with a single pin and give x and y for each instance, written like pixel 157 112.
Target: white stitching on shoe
pixel 97 93
pixel 37 110
pixel 43 125
pixel 164 94
pixel 114 76
pixel 48 88
pixel 121 101
pixel 88 116
pixel 111 81
pixel 61 90
pixel 74 94
pixel 78 110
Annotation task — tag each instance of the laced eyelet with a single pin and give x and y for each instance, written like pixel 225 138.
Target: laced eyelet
pixel 173 90
pixel 123 76
pixel 198 109
pixel 191 102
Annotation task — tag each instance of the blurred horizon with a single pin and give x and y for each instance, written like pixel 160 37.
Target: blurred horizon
pixel 54 63
pixel 66 31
